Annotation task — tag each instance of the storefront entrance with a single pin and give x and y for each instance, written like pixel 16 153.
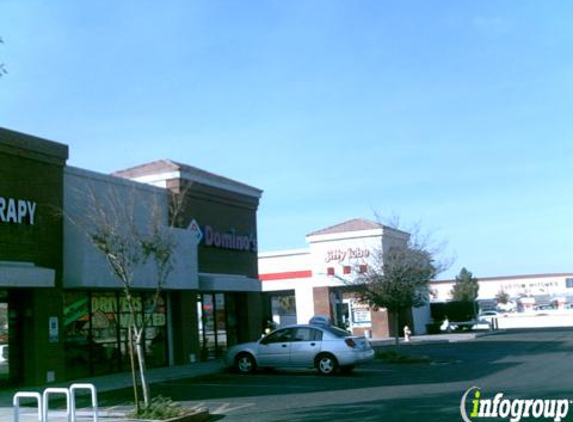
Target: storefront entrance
pixel 11 338
pixel 4 341
pixel 218 329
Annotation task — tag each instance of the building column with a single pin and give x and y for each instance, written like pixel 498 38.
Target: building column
pixel 380 323
pixel 184 326
pixel 322 304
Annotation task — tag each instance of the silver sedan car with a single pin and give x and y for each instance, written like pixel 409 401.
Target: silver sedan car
pixel 323 347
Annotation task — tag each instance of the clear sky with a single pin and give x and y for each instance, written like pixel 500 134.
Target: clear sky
pixel 455 114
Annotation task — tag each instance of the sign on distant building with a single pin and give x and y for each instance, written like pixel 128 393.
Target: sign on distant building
pixel 340 255
pixel 196 231
pixel 230 240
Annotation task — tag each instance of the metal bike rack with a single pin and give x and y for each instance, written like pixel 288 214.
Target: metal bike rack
pixel 43 401
pixel 26 394
pixel 92 389
pixel 46 401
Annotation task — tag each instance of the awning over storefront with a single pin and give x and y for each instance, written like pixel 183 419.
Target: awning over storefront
pixel 228 283
pixel 25 274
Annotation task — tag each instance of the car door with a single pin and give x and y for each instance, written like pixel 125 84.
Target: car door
pixel 274 349
pixel 305 346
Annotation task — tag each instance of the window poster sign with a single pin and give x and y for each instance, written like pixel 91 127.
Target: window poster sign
pixel 53 329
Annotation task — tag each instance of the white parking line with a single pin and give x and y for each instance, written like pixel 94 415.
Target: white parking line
pixel 227 408
pixel 281 386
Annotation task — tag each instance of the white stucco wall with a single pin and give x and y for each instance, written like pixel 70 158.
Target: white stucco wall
pixel 84 265
pixel 334 250
pixel 526 285
pixel 284 261
pixel 349 249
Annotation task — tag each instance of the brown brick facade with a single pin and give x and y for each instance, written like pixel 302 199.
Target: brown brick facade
pixel 322 301
pixel 223 211
pixel 31 169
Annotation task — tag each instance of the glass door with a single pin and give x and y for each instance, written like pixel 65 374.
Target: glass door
pixel 208 339
pixel 220 323
pixel 11 337
pixel 4 340
pixel 214 324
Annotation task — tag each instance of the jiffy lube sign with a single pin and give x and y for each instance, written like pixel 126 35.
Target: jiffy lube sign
pixel 17 211
pixel 341 255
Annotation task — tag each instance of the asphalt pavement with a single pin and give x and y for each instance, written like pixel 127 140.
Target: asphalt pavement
pixel 103 384
pixel 296 395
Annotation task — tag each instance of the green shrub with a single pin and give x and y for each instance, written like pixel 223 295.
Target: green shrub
pixel 159 408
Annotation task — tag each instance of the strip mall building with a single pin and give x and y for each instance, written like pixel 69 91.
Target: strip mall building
pixel 62 315
pixel 319 280
pixel 527 291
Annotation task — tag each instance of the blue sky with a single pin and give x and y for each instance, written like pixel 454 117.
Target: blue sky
pixel 454 114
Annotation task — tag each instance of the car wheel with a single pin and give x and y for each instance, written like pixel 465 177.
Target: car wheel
pixel 245 363
pixel 326 364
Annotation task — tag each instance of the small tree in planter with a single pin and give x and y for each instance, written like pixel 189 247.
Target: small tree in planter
pixel 399 276
pixel 114 226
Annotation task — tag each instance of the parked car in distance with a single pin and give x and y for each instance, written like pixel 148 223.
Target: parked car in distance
pixel 543 307
pixel 484 320
pixel 488 315
pixel 323 347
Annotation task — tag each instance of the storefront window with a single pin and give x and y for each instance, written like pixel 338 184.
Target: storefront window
pixel 208 346
pixel 96 331
pixel 4 338
pixel 283 308
pixel 232 327
pixel 104 329
pixel 201 324
pixel 77 334
pixel 359 315
pixel 220 321
pixel 155 312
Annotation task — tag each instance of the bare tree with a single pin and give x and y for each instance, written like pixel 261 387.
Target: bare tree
pixel 128 240
pixel 3 70
pixel 399 276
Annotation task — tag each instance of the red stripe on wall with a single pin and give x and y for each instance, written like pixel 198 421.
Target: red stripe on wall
pixel 285 275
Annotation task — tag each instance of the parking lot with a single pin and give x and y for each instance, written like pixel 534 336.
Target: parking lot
pixel 524 363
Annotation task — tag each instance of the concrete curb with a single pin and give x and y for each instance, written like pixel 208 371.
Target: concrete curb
pixel 199 415
pixel 434 338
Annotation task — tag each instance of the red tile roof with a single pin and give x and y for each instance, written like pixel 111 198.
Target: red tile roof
pixel 353 225
pixel 163 166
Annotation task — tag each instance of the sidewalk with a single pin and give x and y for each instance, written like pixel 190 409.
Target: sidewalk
pixel 106 383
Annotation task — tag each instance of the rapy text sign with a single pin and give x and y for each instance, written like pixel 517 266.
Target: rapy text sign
pixel 17 211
